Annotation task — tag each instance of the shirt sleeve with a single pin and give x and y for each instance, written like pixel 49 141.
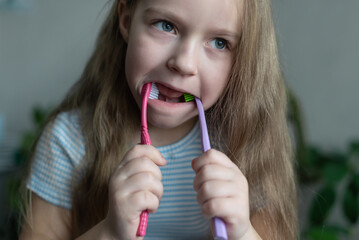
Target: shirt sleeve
pixel 57 159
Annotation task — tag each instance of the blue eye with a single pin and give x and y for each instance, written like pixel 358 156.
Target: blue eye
pixel 219 43
pixel 164 26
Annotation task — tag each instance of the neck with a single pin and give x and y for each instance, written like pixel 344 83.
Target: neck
pixel 164 136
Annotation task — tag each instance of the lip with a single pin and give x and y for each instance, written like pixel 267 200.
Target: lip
pixel 168 92
pixel 173 88
pixel 167 104
pixel 171 92
pixel 169 109
pixel 159 108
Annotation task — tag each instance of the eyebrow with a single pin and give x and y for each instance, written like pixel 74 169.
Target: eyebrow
pixel 172 16
pixel 227 34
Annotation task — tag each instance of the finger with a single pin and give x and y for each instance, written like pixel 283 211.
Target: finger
pixel 141 164
pixel 144 182
pixel 214 157
pixel 216 189
pixel 145 200
pixel 213 172
pixel 148 151
pixel 225 208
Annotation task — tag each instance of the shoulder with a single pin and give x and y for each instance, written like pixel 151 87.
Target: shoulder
pixel 58 160
pixel 63 135
pixel 66 124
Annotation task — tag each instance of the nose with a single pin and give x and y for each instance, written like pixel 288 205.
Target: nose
pixel 184 58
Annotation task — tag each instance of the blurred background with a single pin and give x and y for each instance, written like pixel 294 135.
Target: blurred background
pixel 44 45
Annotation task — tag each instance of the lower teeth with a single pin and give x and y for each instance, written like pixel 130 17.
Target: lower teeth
pixel 170 100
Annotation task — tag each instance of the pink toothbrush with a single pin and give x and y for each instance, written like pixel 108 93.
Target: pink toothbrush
pixel 219 228
pixel 149 91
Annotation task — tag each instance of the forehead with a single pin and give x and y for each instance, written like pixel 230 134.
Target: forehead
pixel 210 13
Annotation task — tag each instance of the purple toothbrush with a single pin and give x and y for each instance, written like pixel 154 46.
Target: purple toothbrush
pixel 220 232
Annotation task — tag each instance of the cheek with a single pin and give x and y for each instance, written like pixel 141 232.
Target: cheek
pixel 136 65
pixel 216 80
pixel 140 57
pixel 136 62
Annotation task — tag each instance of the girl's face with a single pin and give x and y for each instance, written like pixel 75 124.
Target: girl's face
pixel 184 46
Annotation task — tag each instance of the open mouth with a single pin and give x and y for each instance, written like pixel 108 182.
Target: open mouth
pixel 169 95
pixel 171 100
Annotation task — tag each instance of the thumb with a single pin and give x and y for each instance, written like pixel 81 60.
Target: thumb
pixel 160 161
pixel 155 155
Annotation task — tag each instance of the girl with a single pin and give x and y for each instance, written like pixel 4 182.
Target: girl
pixel 90 179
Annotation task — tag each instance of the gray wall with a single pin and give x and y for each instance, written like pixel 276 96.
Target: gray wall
pixel 43 49
pixel 320 56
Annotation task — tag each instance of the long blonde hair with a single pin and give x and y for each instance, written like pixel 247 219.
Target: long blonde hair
pixel 250 118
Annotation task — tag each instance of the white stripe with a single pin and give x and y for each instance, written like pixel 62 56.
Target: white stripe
pixel 189 182
pixel 61 150
pixel 176 214
pixel 183 176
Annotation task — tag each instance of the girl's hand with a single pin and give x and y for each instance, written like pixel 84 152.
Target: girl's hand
pixel 222 191
pixel 134 186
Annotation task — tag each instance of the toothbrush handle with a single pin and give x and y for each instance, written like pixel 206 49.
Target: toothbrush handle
pixel 219 227
pixel 145 139
pixel 142 226
pixel 202 120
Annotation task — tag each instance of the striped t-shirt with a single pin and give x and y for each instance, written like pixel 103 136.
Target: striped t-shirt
pixel 58 165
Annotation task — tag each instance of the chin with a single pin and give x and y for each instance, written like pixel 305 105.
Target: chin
pixel 169 122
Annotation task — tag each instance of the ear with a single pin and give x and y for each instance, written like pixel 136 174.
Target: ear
pixel 124 16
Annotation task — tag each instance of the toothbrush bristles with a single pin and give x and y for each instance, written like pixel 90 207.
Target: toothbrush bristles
pixel 188 97
pixel 154 92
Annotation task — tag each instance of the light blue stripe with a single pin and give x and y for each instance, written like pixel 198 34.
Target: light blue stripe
pixel 183 221
pixel 176 228
pixel 58 199
pixel 183 142
pixel 54 185
pixel 175 201
pixel 187 205
pixel 186 158
pixel 58 153
pixel 70 132
pixel 54 157
pixel 170 217
pixel 61 167
pixel 172 170
pixel 180 211
pixel 49 170
pixel 69 144
pixel 61 150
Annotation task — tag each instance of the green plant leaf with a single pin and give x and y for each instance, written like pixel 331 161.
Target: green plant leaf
pixel 356 182
pixel 321 205
pixel 309 167
pixel 351 201
pixel 13 187
pixel 314 156
pixel 334 172
pixel 354 147
pixel 39 116
pixel 28 140
pixel 22 153
pixel 326 232
pixel 321 234
pixel 337 157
